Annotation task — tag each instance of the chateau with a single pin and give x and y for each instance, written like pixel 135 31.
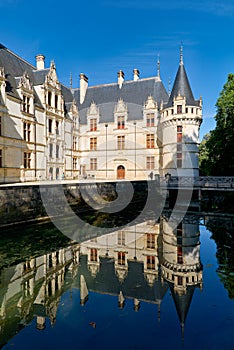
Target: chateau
pixel 130 129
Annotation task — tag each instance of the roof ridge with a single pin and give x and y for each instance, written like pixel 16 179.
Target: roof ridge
pixel 17 56
pixel 116 83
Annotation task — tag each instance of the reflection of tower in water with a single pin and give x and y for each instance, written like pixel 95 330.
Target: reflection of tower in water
pixel 181 265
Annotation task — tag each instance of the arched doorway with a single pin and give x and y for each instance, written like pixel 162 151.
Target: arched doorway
pixel 121 172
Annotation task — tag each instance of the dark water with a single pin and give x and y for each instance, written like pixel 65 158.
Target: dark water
pixel 152 285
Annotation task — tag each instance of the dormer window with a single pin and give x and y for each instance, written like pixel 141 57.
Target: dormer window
pixel 179 109
pixel 120 122
pixel 93 124
pixel 121 258
pixel 93 255
pixel 150 262
pixel 150 119
pixel 26 104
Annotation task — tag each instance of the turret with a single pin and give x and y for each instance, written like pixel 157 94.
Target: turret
pixel 181 266
pixel 181 119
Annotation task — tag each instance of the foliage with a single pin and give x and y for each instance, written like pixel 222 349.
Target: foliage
pixel 216 150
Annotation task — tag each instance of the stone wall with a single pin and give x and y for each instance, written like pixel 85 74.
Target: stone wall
pixel 24 202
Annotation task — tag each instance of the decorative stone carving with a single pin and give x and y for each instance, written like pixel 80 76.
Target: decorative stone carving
pixel 2 73
pixel 51 77
pixel 25 82
pixel 93 110
pixel 74 108
pixel 150 103
pixel 121 273
pixel 121 107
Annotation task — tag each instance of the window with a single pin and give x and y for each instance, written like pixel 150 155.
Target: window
pixel 151 240
pixel 57 127
pixel 50 125
pixel 121 258
pixel 93 124
pixel 120 142
pixel 93 163
pixel 179 255
pixel 150 141
pixel 74 163
pixel 120 122
pixel 74 143
pixel 26 104
pixel 150 119
pixel 49 98
pixel 50 261
pixel 27 160
pixel 150 262
pixel 179 229
pixel 57 151
pixel 56 101
pixel 179 109
pixel 179 146
pixel 51 150
pixel 0 126
pixel 57 173
pixel 93 254
pixel 121 238
pixel 180 280
pixel 150 163
pixel 93 143
pixel 57 258
pixel 179 234
pixel 179 160
pixel 27 131
pixel 0 158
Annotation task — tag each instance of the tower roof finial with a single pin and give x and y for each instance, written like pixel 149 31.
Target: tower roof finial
pixel 158 67
pixel 181 53
pixel 71 80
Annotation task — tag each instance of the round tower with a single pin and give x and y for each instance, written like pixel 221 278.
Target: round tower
pixel 181 266
pixel 180 122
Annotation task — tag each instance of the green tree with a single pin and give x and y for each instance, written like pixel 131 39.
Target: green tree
pixel 217 151
pixel 204 156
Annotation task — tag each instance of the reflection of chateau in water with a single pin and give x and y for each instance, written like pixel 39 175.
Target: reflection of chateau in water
pixel 140 263
pixel 33 289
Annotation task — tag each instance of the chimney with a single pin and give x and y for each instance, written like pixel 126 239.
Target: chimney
pixel 120 78
pixel 83 87
pixel 136 74
pixel 40 60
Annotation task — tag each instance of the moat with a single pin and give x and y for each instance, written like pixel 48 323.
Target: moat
pixel 157 283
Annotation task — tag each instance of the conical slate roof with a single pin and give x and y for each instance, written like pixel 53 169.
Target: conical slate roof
pixel 182 302
pixel 182 87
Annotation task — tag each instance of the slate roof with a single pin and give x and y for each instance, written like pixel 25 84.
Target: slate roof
pixel 182 87
pixel 133 93
pixel 134 286
pixel 182 302
pixel 14 67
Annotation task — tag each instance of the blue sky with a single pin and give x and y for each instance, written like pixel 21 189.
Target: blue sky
pixel 100 37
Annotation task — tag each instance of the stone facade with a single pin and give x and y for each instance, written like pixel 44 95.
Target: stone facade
pixel 128 129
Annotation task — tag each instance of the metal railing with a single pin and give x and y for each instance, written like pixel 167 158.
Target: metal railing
pixel 200 182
